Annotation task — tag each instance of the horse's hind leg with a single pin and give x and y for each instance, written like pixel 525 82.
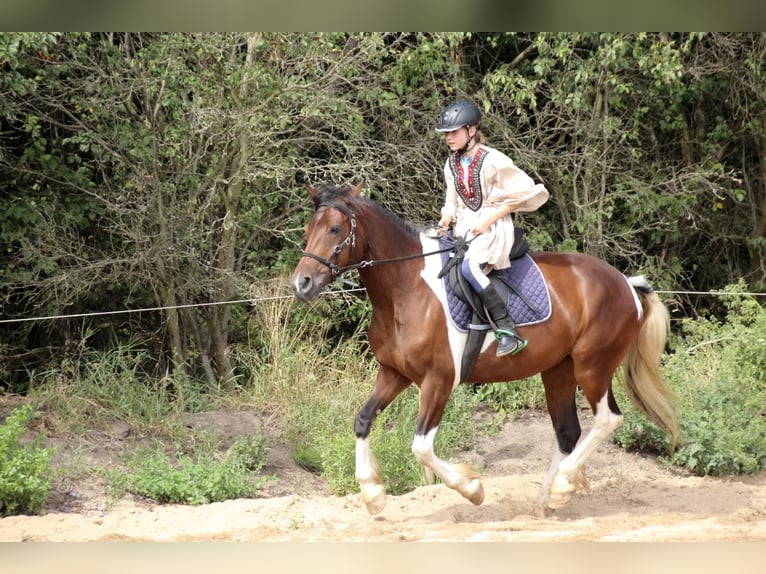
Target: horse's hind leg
pixel 560 387
pixel 569 476
pixel 388 385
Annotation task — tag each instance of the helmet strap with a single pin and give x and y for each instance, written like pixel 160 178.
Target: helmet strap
pixel 463 149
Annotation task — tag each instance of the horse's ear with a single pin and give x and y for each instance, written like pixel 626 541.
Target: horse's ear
pixel 312 190
pixel 357 189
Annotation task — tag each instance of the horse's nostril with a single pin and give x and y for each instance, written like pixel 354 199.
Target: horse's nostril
pixel 302 285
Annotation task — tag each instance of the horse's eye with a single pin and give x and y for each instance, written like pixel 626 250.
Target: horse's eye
pixel 334 230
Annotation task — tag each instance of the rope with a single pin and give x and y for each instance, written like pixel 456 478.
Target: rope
pixel 279 297
pixel 120 312
pixel 712 293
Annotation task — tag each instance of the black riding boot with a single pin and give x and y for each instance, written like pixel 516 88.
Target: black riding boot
pixel 505 330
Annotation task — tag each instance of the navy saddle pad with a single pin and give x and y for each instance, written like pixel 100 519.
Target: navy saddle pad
pixel 524 276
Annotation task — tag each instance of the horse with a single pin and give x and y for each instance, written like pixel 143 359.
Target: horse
pixel 600 320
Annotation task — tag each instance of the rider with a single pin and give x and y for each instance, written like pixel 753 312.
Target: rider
pixel 483 189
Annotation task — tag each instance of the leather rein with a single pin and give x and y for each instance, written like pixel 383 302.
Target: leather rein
pixel 350 240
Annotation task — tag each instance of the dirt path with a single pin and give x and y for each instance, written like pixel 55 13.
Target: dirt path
pixel 632 498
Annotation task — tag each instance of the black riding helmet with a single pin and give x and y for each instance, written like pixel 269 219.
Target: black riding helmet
pixel 459 114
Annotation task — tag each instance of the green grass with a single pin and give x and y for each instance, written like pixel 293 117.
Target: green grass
pixel 163 458
pixel 193 479
pixel 512 397
pixel 25 469
pixel 92 389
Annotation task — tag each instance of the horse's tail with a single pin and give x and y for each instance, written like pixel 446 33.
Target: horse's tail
pixel 645 385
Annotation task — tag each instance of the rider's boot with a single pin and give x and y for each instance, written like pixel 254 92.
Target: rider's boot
pixel 508 342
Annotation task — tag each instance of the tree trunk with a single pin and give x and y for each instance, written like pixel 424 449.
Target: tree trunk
pixel 230 193
pixel 758 245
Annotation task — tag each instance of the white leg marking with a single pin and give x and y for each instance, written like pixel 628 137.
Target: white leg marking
pixel 368 475
pixel 570 476
pixel 423 447
pixel 556 459
pixel 459 477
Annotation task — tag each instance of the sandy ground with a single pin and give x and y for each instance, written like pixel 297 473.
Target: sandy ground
pixel 631 498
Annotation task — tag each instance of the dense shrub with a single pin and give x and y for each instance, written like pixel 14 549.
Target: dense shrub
pixel 199 479
pixel 24 468
pixel 717 373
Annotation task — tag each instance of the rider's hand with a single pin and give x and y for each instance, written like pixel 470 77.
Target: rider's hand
pixel 481 227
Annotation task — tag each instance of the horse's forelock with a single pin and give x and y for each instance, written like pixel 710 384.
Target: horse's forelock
pixel 328 194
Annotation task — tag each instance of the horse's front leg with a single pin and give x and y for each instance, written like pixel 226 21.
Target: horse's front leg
pixel 388 385
pixel 460 477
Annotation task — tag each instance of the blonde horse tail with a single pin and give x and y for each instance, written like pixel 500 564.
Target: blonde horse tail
pixel 645 385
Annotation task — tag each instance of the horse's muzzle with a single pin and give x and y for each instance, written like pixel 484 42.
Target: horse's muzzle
pixel 305 287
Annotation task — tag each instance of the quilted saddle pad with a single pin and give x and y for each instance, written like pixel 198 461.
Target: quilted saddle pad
pixel 525 277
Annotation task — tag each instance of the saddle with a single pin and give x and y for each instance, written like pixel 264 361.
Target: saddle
pixel 458 286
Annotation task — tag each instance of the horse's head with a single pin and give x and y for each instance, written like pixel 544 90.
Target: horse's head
pixel 330 240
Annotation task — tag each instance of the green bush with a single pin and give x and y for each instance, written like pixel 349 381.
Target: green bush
pixel 716 372
pixel 24 469
pixel 201 479
pixel 249 452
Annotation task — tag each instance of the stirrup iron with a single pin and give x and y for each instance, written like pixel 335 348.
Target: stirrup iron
pixel 519 343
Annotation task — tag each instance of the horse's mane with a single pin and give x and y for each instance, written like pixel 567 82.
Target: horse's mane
pixel 330 194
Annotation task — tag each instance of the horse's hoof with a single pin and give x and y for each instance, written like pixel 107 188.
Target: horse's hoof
pixel 541 510
pixel 558 499
pixel 561 492
pixel 475 492
pixel 562 485
pixel 374 498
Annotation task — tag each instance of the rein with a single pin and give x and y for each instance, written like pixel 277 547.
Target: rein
pixel 351 240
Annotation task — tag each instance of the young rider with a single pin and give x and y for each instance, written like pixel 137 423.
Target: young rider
pixel 483 189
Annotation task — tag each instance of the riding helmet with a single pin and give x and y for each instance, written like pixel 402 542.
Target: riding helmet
pixel 459 114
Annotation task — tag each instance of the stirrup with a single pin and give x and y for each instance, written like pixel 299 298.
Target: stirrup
pixel 519 343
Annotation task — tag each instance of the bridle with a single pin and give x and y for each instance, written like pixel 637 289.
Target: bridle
pixel 350 240
pixel 338 249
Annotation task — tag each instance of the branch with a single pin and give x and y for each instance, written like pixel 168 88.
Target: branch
pixel 523 55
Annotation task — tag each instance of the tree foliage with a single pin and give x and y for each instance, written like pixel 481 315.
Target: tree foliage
pixel 143 170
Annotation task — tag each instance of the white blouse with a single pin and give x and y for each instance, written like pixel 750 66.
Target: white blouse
pixel 491 180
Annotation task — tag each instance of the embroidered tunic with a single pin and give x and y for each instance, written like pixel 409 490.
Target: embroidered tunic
pixel 491 180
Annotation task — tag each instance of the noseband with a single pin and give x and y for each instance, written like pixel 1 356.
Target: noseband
pixel 338 249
